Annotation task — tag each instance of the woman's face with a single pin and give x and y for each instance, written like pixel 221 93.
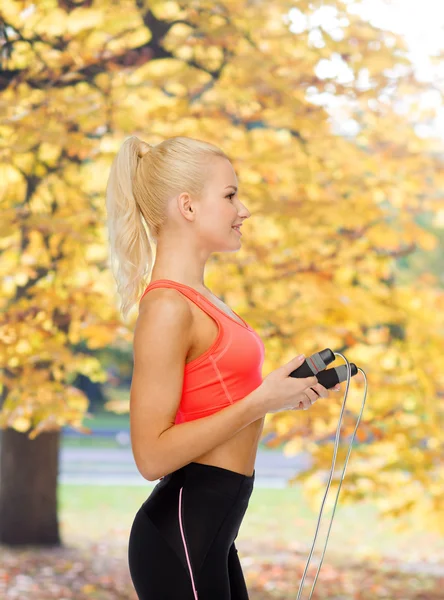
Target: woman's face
pixel 220 208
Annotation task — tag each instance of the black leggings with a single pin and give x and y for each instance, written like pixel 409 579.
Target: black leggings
pixel 181 544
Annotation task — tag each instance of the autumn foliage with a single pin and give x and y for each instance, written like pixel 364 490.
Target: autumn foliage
pixel 333 208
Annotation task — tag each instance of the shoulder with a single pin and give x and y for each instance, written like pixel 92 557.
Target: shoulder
pixel 168 297
pixel 167 306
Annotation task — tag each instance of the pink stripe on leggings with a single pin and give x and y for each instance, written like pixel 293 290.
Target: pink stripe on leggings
pixel 184 543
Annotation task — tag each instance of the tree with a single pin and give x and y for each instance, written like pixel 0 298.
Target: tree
pixel 331 213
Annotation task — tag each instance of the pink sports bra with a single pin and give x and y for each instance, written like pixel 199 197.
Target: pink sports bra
pixel 228 371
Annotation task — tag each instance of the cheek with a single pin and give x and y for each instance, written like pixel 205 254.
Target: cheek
pixel 223 215
pixel 230 211
pixel 219 217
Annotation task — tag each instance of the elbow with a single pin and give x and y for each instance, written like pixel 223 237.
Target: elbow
pixel 144 456
pixel 148 460
pixel 148 475
pixel 151 474
pixel 145 470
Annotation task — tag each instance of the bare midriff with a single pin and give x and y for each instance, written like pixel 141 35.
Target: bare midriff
pixel 239 452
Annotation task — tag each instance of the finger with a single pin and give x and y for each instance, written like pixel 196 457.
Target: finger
pixel 312 395
pixel 320 390
pixel 303 406
pixel 305 403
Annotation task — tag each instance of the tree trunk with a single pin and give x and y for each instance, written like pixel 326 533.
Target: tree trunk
pixel 28 488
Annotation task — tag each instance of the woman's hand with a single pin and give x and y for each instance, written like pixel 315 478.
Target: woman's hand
pixel 314 393
pixel 279 392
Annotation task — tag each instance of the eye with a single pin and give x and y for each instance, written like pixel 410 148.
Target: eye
pixel 231 195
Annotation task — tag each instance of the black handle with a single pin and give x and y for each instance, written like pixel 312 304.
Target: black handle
pixel 331 377
pixel 313 364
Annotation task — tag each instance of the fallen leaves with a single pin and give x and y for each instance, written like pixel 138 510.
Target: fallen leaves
pixel 99 570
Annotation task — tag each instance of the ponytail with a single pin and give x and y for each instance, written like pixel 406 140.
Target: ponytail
pixel 130 249
pixel 142 180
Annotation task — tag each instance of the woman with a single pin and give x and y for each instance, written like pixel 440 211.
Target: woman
pixel 198 400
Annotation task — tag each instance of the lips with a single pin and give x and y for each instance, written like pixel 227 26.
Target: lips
pixel 237 228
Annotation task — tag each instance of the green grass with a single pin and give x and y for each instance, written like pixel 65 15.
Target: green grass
pixel 106 419
pixel 274 517
pixel 100 421
pixel 89 441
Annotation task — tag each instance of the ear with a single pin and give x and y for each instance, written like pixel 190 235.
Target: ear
pixel 186 206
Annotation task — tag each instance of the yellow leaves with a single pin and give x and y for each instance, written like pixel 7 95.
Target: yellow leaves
pixel 12 185
pixel 379 335
pixel 378 62
pixel 89 589
pixel 344 275
pixel 23 347
pixel 13 362
pixel 320 205
pixel 389 360
pixel 50 423
pixel 51 22
pixel 46 406
pixel 438 219
pixel 131 39
pixel 88 365
pixel 35 252
pixel 185 53
pixel 19 416
pixel 166 9
pixel 98 336
pixel 180 34
pixel 49 153
pixel 118 406
pixel 83 18
pixel 21 424
pixel 434 443
pixel 21 55
pixel 382 235
pixel 103 81
pixel 425 240
pixel 75 399
pixel 160 70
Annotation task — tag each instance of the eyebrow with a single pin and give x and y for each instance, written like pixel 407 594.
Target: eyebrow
pixel 233 186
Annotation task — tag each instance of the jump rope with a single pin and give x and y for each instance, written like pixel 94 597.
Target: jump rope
pixel 315 365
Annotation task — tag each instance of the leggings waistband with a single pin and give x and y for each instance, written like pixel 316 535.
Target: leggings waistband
pixel 217 478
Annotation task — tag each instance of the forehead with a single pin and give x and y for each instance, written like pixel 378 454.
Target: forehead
pixel 222 173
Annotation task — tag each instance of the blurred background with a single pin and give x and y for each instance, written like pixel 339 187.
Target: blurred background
pixel 332 114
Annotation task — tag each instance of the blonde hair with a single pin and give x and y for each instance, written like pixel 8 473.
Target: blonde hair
pixel 142 179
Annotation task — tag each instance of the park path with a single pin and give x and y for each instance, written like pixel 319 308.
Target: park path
pixel 116 466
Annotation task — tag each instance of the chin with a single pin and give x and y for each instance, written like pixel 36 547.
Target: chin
pixel 223 246
pixel 234 249
pixel 228 248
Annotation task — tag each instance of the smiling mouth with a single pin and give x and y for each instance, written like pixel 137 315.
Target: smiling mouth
pixel 237 229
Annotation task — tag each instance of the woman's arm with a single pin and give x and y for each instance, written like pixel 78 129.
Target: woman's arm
pixel 162 339
pixel 182 443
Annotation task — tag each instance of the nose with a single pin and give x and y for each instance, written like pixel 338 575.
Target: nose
pixel 245 213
